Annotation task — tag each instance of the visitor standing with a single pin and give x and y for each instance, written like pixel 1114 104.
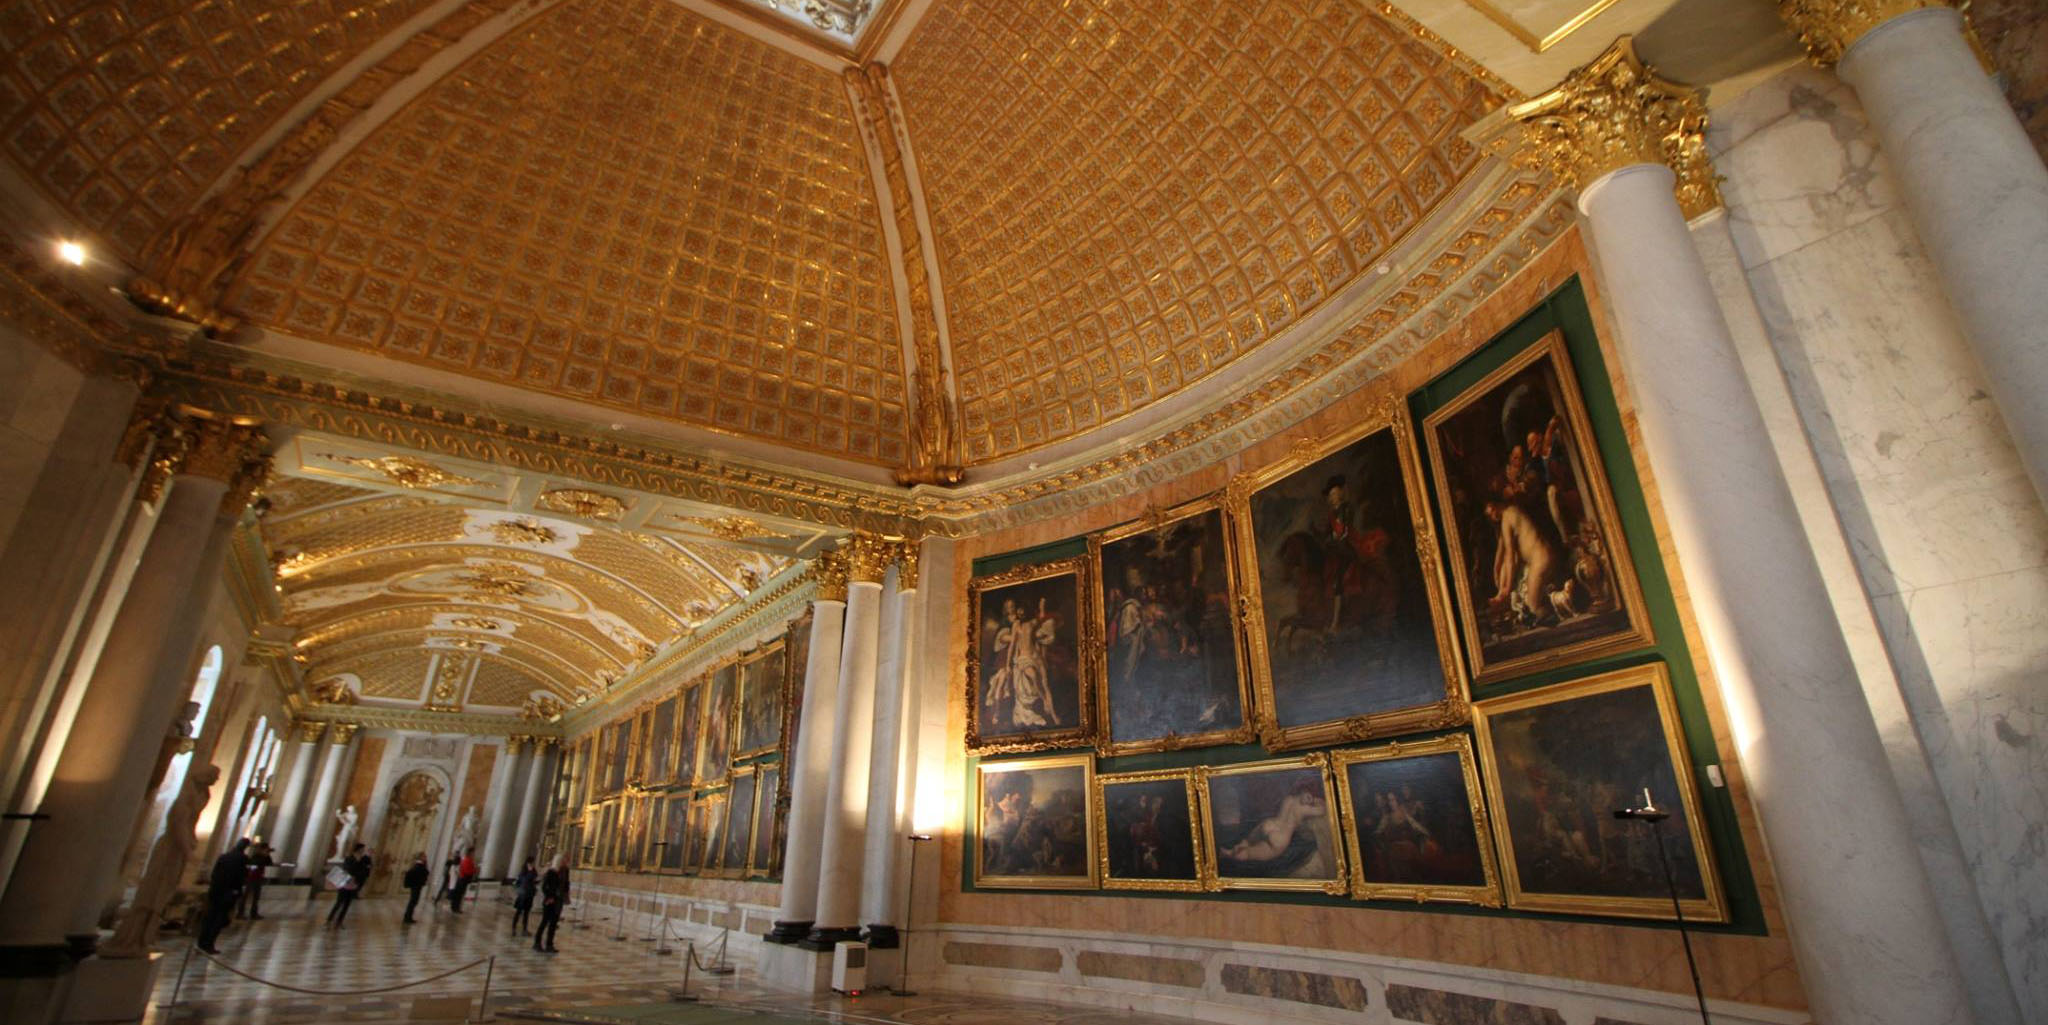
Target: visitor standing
pixel 523 889
pixel 259 870
pixel 448 875
pixel 416 880
pixel 357 868
pixel 465 874
pixel 223 886
pixel 554 896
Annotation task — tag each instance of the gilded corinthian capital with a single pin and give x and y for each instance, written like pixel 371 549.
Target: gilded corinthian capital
pixel 1615 112
pixel 831 571
pixel 1830 27
pixel 868 556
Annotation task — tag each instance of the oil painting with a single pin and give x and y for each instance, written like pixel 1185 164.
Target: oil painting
pixel 739 818
pixel 714 753
pixel 760 701
pixel 1417 829
pixel 1348 630
pixel 1171 674
pixel 690 730
pixel 796 663
pixel 1272 825
pixel 1559 761
pixel 674 820
pixel 1025 659
pixel 1145 831
pixel 661 743
pixel 766 855
pixel 1540 567
pixel 1033 822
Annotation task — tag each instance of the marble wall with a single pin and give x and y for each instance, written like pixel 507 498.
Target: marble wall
pixel 36 395
pixel 1914 480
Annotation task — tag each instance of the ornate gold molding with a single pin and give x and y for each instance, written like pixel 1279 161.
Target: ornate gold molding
pixel 1829 27
pixel 341 733
pixel 404 471
pixel 831 570
pixel 1616 112
pixel 906 564
pixel 309 731
pixel 868 556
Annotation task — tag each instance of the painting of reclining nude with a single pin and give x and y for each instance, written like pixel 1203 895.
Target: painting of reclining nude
pixel 1348 630
pixel 1542 572
pixel 1416 827
pixel 1559 762
pixel 1272 826
pixel 1145 830
pixel 1032 829
pixel 1025 659
pixel 1172 676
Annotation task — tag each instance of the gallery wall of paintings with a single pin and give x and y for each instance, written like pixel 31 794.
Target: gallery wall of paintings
pixel 1423 658
pixel 690 781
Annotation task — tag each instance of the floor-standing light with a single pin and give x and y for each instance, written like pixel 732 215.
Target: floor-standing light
pixel 909 902
pixel 1653 817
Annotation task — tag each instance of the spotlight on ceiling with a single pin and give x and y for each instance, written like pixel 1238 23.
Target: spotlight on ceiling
pixel 71 253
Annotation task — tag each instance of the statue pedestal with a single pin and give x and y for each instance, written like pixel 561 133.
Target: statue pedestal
pixel 103 990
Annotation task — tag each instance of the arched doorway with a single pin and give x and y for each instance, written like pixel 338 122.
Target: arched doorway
pixel 408 827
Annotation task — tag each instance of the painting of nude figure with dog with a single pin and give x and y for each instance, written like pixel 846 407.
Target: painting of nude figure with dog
pixel 1538 562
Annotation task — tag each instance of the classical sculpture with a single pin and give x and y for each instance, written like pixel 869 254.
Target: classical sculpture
pixel 465 832
pixel 137 929
pixel 345 834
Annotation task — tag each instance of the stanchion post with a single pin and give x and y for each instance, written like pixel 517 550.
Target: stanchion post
pixel 689 956
pixel 178 987
pixel 483 1002
pixel 620 903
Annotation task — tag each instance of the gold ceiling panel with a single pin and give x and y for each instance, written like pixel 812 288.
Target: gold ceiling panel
pixel 667 581
pixel 1126 198
pixel 505 685
pixel 552 642
pixel 291 495
pixel 542 583
pixel 392 675
pixel 126 111
pixel 363 526
pixel 622 203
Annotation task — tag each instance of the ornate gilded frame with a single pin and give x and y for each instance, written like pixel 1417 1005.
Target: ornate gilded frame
pixel 1157 519
pixel 1487 895
pixel 1087 653
pixel 797 640
pixel 1712 908
pixel 766 802
pixel 1212 877
pixel 671 804
pixel 739 712
pixel 1384 415
pixel 674 699
pixel 746 821
pixel 713 803
pixel 1088 815
pixel 1100 813
pixel 1600 504
pixel 709 681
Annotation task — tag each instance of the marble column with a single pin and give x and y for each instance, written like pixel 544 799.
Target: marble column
pixel 69 862
pixel 811 760
pixel 844 832
pixel 502 809
pixel 1971 181
pixel 1855 894
pixel 282 818
pixel 884 843
pixel 534 799
pixel 316 837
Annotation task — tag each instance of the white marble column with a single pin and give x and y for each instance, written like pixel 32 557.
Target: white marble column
pixel 885 843
pixel 69 861
pixel 282 818
pixel 1971 180
pixel 844 833
pixel 811 759
pixel 533 801
pixel 502 808
pixel 1859 909
pixel 317 836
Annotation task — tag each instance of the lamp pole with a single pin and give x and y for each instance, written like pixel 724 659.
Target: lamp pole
pixel 1651 815
pixel 909 903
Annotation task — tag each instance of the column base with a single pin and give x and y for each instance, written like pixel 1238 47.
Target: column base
pixel 40 960
pixel 824 938
pixel 109 989
pixel 788 932
pixel 882 937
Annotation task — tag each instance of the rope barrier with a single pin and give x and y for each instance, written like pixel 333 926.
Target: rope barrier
pixel 343 992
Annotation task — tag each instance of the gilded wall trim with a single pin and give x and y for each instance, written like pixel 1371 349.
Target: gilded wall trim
pixel 375 718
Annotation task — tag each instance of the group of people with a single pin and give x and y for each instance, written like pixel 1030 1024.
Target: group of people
pixel 235 886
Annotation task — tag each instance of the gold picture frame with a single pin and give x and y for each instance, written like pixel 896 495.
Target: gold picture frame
pixel 797 639
pixel 1040 581
pixel 710 766
pixel 743 817
pixel 1117 646
pixel 1300 807
pixel 1450 707
pixel 759 665
pixel 1604 564
pixel 1001 860
pixel 1108 853
pixel 762 855
pixel 1611 715
pixel 1361 857
pixel 707 839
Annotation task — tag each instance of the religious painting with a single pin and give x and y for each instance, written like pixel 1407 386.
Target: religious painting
pixel 1171 675
pixel 1417 828
pixel 1271 826
pixel 689 730
pixel 714 753
pixel 1027 643
pixel 1145 833
pixel 661 744
pixel 1346 626
pixel 765 857
pixel 1538 562
pixel 763 679
pixel 1559 762
pixel 674 826
pixel 1032 826
pixel 739 818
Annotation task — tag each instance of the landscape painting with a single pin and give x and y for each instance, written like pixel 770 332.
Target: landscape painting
pixel 1025 659
pixel 1033 822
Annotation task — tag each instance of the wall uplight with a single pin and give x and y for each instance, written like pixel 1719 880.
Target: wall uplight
pixel 72 253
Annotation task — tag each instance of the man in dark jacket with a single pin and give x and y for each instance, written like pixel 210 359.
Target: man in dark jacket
pixel 554 896
pixel 357 866
pixel 416 880
pixel 252 893
pixel 223 886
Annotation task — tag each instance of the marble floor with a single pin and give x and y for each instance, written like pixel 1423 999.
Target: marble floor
pixel 596 978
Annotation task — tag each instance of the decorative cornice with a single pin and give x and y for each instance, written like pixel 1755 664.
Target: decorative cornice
pixel 906 565
pixel 377 717
pixel 831 570
pixel 1616 112
pixel 340 733
pixel 1830 27
pixel 868 556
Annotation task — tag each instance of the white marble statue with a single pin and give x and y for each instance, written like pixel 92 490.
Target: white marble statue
pixel 137 929
pixel 465 833
pixel 344 833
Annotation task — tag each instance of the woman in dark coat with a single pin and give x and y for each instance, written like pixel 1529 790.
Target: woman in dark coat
pixel 523 888
pixel 554 896
pixel 416 880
